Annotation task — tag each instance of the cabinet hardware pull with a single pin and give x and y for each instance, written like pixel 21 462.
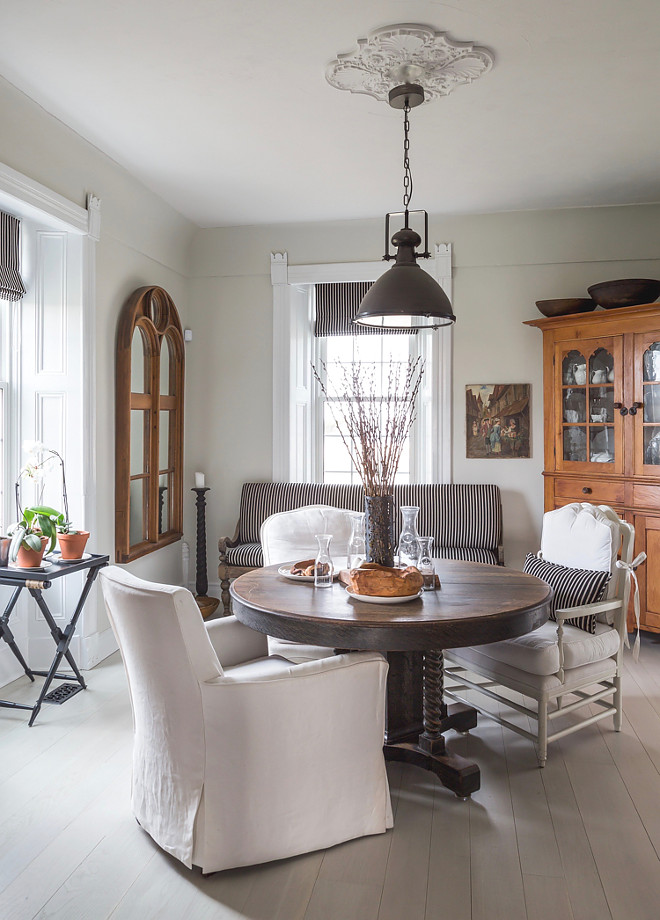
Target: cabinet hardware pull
pixel 586 490
pixel 622 409
pixel 635 406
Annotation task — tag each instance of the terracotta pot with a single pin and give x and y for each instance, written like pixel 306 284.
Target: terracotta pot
pixel 29 558
pixel 5 543
pixel 72 545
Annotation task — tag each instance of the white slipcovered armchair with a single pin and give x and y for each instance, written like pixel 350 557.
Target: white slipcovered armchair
pixel 290 536
pixel 559 660
pixel 240 758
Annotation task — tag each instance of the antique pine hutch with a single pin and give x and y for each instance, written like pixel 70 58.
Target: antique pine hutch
pixel 601 375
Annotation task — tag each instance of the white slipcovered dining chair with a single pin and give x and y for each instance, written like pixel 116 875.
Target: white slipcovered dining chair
pixel 240 758
pixel 582 545
pixel 290 536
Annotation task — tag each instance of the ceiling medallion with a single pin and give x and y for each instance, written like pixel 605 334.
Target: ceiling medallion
pixel 408 53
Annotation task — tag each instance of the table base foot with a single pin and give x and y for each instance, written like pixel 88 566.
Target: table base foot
pixel 459 717
pixel 454 772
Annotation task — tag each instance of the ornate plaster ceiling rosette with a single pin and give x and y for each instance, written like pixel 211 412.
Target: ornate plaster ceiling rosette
pixel 408 53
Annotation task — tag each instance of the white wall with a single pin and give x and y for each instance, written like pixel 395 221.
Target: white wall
pixel 503 264
pixel 143 241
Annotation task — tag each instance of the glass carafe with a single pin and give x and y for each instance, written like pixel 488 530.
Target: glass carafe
pixel 356 550
pixel 425 562
pixel 409 539
pixel 323 569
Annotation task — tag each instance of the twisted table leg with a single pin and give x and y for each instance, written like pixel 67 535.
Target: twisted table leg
pixel 428 749
pixel 433 705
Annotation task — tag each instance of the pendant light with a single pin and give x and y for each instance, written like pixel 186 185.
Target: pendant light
pixel 406 296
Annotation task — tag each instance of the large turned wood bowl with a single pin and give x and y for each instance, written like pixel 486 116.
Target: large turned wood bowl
pixel 624 292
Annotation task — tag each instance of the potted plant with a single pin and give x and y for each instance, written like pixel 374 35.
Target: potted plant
pixel 72 542
pixel 35 531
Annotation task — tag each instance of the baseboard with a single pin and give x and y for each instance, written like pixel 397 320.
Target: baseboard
pixel 10 669
pixel 97 647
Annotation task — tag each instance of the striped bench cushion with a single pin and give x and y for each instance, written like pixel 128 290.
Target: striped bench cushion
pixel 251 554
pixel 248 555
pixel 468 554
pixel 465 516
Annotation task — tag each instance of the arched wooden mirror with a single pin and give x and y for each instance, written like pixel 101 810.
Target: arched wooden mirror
pixel 149 425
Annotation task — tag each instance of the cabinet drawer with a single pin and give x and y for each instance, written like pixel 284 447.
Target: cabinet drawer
pixel 607 493
pixel 646 496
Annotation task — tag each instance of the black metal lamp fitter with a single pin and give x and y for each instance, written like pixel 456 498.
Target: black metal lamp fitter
pixel 406 297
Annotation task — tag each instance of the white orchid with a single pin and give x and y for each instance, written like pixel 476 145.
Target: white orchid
pixel 34 450
pixel 41 460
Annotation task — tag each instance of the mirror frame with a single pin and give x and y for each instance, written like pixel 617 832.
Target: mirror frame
pixel 152 310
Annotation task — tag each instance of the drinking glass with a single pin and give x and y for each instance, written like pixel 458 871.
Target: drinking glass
pixel 324 568
pixel 425 562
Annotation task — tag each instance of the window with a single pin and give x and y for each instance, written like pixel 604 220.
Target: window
pixel 305 448
pixel 375 353
pixel 3 454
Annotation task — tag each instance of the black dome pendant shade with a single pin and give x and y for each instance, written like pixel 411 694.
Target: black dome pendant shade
pixel 406 297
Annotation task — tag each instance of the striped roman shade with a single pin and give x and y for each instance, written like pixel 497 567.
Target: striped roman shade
pixel 572 588
pixel 11 286
pixel 337 305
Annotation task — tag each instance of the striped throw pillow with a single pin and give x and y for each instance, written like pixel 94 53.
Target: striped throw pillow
pixel 572 588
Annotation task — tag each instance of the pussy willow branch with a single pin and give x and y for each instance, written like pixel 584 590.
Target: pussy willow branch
pixel 373 427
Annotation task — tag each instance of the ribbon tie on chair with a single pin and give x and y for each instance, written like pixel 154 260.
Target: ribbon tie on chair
pixel 629 568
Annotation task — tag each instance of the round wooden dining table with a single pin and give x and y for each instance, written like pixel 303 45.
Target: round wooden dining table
pixel 475 604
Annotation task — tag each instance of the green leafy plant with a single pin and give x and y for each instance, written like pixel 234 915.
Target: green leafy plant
pixel 37 522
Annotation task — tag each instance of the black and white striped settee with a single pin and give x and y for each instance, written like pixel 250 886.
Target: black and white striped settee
pixel 465 521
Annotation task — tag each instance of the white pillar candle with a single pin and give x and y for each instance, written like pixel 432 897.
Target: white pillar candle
pixel 199 480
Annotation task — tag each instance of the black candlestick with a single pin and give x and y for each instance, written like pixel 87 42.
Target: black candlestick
pixel 206 604
pixel 202 580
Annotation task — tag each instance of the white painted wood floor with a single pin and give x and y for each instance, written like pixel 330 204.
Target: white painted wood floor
pixel 579 840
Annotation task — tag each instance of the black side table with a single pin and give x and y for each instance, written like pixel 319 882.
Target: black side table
pixel 36 583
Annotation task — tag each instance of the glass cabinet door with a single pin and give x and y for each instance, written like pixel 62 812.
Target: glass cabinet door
pixel 588 427
pixel 646 408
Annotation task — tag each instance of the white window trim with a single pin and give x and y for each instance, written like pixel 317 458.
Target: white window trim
pixel 25 198
pixel 290 298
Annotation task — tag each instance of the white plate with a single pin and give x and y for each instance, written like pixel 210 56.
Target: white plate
pixel 374 599
pixel 285 572
pixel 60 561
pixel 30 568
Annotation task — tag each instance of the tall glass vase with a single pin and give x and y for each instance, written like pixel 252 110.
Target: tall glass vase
pixel 379 528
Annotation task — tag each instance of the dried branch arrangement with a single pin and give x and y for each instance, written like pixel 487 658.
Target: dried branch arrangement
pixel 373 422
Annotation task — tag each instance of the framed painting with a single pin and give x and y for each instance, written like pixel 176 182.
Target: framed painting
pixel 497 421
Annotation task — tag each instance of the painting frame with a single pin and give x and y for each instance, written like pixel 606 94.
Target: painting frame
pixel 497 421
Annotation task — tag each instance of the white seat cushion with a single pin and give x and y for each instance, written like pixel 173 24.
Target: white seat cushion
pixel 532 684
pixel 538 653
pixel 297 652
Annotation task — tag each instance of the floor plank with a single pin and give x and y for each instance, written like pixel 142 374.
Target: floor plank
pixel 627 863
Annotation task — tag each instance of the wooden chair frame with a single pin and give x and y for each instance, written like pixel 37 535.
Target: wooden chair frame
pixel 605 684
